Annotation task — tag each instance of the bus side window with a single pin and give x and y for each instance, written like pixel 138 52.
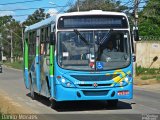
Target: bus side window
pixel 32 43
pixel 46 45
pixel 42 41
pixel 42 48
pixel 47 48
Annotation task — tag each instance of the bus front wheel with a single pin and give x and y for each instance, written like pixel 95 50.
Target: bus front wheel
pixel 54 104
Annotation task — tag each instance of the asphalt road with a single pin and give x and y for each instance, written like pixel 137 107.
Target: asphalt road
pixel 144 102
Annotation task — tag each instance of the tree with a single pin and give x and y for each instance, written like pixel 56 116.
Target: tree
pixel 37 16
pixel 149 21
pixel 106 5
pixel 9 24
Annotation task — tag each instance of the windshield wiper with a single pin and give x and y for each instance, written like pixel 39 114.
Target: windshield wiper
pixel 105 38
pixel 81 37
pixel 101 44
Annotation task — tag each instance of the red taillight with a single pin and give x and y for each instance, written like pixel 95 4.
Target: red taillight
pixel 126 92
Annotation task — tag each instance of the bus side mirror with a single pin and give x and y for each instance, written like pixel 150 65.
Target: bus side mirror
pixel 52 38
pixel 136 35
pixel 133 58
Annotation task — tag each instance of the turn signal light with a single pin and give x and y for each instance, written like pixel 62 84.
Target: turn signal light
pixel 58 77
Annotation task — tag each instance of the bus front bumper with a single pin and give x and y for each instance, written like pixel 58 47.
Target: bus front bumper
pixel 71 94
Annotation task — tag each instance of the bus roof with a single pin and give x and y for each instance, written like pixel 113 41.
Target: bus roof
pixel 92 12
pixel 41 23
pixel 53 18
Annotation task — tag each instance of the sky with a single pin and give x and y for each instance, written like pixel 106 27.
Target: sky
pixel 9 9
pixel 56 6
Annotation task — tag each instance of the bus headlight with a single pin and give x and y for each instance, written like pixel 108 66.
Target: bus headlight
pixel 66 83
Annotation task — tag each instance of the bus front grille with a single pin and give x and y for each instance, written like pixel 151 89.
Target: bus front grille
pixel 95 93
pixel 98 85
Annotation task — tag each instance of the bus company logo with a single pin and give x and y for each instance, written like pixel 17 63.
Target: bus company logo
pixel 95 85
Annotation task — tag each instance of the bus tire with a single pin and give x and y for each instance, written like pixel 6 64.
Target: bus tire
pixel 32 94
pixel 112 103
pixel 54 104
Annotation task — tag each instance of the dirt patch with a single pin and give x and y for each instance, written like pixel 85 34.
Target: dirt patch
pixel 139 81
pixel 9 106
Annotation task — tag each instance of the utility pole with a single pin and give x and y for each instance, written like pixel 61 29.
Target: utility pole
pixel 136 2
pixel 78 5
pixel 135 28
pixel 11 47
pixel 1 49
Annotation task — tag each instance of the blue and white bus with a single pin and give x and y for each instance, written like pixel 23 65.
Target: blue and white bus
pixel 80 56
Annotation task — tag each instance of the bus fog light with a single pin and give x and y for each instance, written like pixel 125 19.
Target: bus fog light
pixel 68 84
pixel 63 80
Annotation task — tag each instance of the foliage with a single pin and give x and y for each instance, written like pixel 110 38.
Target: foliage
pixel 147 71
pixel 0 116
pixel 150 38
pixel 37 16
pixel 147 77
pixel 158 78
pixel 9 24
pixel 16 64
pixel 149 21
pixel 106 5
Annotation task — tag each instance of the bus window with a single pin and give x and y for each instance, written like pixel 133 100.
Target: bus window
pixel 32 43
pixel 42 49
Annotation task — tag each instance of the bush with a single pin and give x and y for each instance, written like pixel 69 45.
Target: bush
pixel 147 71
pixel 16 64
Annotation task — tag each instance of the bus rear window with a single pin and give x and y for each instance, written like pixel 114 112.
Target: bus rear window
pixel 94 21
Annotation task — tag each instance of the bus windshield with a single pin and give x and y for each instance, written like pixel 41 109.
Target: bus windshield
pixel 109 49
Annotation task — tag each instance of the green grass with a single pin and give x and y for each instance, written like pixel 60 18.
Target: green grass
pixel 150 77
pixel 16 64
pixel 147 77
pixel 158 78
pixel 147 71
pixel 0 116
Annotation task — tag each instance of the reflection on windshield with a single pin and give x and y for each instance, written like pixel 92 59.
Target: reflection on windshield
pixel 75 54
